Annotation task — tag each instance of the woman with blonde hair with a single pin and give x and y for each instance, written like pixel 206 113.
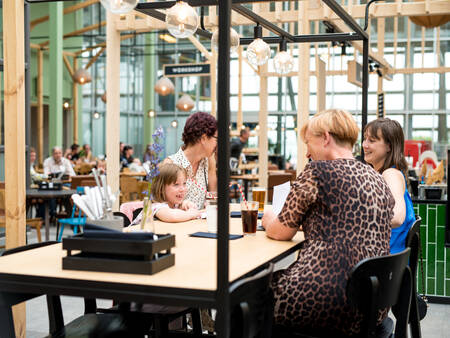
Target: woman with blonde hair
pixel 344 208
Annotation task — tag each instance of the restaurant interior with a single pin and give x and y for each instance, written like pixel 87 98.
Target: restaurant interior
pixel 111 84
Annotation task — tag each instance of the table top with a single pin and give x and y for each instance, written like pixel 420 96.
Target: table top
pixel 36 193
pixel 134 174
pixel 245 177
pixel 195 259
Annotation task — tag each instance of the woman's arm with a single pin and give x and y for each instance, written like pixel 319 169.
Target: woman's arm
pixel 212 177
pixel 396 182
pixel 274 228
pixel 169 215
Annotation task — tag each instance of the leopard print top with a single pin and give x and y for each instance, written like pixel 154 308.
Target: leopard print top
pixel 344 208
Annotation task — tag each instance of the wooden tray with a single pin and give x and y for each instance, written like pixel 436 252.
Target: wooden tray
pixel 118 255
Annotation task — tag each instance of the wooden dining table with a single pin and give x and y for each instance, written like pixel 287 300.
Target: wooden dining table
pixel 192 281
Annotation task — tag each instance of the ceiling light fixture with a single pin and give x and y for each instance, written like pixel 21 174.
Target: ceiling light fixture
pixel 174 123
pixel 283 62
pixel 181 20
pixel 151 113
pixel 103 97
pixel 164 86
pixel 234 40
pixel 185 103
pixel 167 38
pixel 81 76
pixel 96 115
pixel 258 52
pixel 66 105
pixel 119 6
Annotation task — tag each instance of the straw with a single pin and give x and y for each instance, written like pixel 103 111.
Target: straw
pixel 242 195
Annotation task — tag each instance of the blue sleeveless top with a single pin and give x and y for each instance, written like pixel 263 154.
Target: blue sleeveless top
pixel 398 235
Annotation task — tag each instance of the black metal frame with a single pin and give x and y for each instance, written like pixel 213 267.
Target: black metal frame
pixel 223 111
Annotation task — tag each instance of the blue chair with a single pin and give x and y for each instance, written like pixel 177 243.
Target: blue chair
pixel 75 221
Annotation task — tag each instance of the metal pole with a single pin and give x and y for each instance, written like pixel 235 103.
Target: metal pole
pixel 27 92
pixel 223 148
pixel 365 84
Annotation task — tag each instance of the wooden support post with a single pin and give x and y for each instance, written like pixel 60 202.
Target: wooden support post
pixel 40 105
pixel 14 103
pixel 112 105
pixel 321 84
pixel 239 117
pixel 262 116
pixel 214 83
pixel 303 86
pixel 75 104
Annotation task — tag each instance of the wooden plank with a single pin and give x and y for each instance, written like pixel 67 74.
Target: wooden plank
pixel 14 117
pixel 75 105
pixel 262 117
pixel 77 32
pixel 103 44
pixel 40 105
pixel 239 117
pixel 303 86
pixel 68 66
pixel 321 84
pixel 95 57
pixel 67 10
pixel 214 83
pixel 200 47
pixel 112 105
pixel 408 45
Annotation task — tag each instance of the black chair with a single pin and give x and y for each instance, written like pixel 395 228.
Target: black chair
pixel 252 304
pixel 374 284
pixel 126 221
pixel 91 325
pixel 413 242
pixel 136 212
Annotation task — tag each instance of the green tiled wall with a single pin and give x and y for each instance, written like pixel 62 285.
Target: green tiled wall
pixel 436 257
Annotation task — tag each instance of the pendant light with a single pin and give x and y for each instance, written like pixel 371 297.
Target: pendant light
pixel 181 20
pixel 174 123
pixel 283 62
pixel 234 40
pixel 103 97
pixel 151 113
pixel 185 103
pixel 81 76
pixel 164 86
pixel 119 6
pixel 258 52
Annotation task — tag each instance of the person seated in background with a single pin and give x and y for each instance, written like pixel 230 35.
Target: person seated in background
pixel 73 155
pixel 344 208
pixel 383 146
pixel 85 154
pixel 168 191
pixel 56 163
pixel 149 154
pixel 237 144
pixel 128 161
pixel 35 176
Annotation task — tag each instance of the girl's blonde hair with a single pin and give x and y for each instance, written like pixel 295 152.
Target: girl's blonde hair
pixel 340 124
pixel 168 174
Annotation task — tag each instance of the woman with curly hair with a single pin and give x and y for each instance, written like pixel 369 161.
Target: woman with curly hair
pixel 197 156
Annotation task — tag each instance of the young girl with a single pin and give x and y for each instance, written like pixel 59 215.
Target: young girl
pixel 168 192
pixel 383 148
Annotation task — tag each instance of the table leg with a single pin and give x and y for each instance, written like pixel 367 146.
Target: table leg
pixel 6 322
pixel 46 221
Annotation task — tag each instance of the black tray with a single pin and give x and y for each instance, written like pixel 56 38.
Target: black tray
pixel 119 255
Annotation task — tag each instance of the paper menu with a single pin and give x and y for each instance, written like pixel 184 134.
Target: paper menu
pixel 280 193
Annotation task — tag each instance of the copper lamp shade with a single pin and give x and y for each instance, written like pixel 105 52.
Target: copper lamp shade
pixel 185 103
pixel 103 97
pixel 82 76
pixel 164 86
pixel 430 21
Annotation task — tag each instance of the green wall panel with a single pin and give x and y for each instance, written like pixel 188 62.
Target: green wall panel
pixel 436 257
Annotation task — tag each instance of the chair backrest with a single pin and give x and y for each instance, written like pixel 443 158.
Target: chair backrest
pixel 252 305
pixel 378 283
pixel 413 242
pixel 276 179
pixel 76 180
pixel 129 188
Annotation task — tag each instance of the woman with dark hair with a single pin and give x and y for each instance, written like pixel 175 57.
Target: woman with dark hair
pixel 383 146
pixel 197 156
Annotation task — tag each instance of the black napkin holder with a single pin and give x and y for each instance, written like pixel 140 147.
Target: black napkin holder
pixel 44 185
pixel 113 251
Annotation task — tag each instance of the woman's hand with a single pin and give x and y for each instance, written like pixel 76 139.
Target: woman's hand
pixel 186 204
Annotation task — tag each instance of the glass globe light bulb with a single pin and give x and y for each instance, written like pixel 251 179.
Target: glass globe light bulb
pixel 119 6
pixel 258 52
pixel 181 20
pixel 174 123
pixel 283 62
pixel 234 40
pixel 96 115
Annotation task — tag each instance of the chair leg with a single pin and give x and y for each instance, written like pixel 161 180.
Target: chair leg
pixel 414 320
pixel 196 323
pixel 38 232
pixel 60 232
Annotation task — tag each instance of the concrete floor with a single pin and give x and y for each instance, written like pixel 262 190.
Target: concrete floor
pixel 435 325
